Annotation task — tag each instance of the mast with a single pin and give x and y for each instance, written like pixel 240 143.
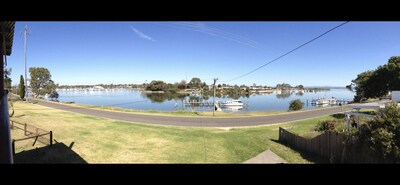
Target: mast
pixel 26 76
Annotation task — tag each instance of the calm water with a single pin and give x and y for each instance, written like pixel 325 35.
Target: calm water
pixel 134 99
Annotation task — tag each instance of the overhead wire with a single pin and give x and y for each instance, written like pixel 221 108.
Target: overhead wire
pixel 287 53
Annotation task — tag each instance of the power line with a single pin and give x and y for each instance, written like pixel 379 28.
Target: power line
pixel 289 52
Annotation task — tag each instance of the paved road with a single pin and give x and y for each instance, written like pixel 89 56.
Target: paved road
pixel 197 121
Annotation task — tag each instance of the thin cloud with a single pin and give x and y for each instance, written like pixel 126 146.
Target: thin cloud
pixel 202 28
pixel 142 35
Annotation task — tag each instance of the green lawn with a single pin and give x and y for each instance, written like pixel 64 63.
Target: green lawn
pixel 101 140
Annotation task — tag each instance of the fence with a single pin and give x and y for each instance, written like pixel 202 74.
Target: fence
pixel 31 132
pixel 329 145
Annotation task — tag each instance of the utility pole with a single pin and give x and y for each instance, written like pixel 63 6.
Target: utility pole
pixel 215 80
pixel 26 76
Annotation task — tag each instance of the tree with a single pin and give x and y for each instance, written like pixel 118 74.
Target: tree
pixel 296 105
pixel 362 88
pixel 378 82
pixel 195 83
pixel 7 79
pixel 50 86
pixel 41 83
pixel 54 95
pixel 204 86
pixel 182 85
pixel 21 87
pixel 157 85
pixel 283 86
pixel 300 86
pixel 172 88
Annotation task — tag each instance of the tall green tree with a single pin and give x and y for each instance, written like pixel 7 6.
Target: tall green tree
pixel 378 82
pixel 182 85
pixel 204 86
pixel 21 87
pixel 195 83
pixel 41 83
pixel 283 86
pixel 7 79
pixel 300 86
pixel 157 85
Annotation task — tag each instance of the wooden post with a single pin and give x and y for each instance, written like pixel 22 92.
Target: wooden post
pixel 13 146
pixel 51 138
pixel 215 80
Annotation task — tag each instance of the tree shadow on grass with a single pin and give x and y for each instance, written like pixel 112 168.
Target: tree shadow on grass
pixel 309 157
pixel 58 153
pixel 338 116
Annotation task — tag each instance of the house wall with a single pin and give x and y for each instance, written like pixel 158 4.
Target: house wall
pixel 396 95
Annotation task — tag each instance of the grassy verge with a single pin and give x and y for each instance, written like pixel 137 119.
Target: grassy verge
pixel 101 140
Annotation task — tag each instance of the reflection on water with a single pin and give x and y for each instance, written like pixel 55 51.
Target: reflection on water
pixel 283 95
pixel 134 99
pixel 162 97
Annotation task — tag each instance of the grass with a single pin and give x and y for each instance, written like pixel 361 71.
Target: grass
pixel 101 140
pixel 370 100
pixel 367 111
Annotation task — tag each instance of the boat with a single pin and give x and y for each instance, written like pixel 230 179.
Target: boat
pixel 233 108
pixel 320 101
pixel 232 103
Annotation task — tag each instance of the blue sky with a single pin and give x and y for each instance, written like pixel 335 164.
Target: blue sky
pixel 133 52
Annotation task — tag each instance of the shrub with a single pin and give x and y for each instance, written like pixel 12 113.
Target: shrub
pixel 295 105
pixel 381 136
pixel 54 95
pixel 327 125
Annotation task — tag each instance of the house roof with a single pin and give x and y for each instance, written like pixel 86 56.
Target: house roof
pixel 7 30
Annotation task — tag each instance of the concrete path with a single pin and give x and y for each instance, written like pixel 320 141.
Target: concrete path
pixel 267 157
pixel 197 121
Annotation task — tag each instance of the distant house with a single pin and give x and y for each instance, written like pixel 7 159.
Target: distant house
pixel 396 95
pixel 98 87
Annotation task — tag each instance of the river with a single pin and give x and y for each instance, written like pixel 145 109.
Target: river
pixel 138 100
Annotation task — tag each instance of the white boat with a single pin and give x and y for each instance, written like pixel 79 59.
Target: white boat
pixel 232 103
pixel 233 108
pixel 322 101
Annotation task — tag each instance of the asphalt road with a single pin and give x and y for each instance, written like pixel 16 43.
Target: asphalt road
pixel 197 121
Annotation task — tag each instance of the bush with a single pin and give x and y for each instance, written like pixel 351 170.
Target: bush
pixel 54 95
pixel 381 136
pixel 327 125
pixel 295 105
